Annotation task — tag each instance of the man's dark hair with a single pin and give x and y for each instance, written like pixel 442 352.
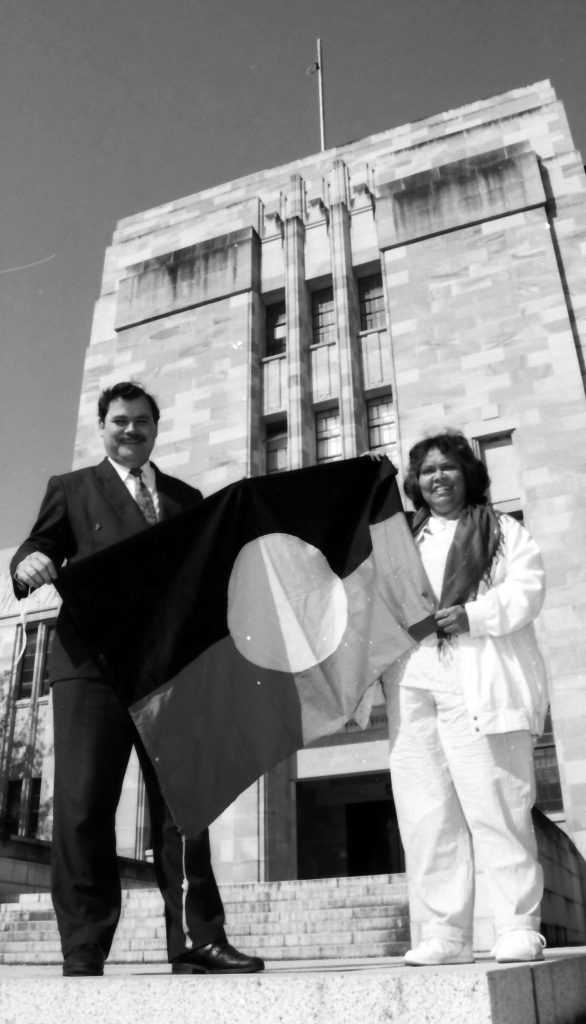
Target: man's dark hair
pixel 129 392
pixel 453 443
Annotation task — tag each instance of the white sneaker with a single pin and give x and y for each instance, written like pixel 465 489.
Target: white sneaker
pixel 519 945
pixel 439 951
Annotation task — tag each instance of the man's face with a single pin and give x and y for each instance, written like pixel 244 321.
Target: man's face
pixel 129 431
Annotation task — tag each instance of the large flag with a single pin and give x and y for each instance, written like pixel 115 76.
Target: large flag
pixel 259 620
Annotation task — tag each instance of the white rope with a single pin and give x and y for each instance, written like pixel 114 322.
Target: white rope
pixel 23 621
pixel 185 891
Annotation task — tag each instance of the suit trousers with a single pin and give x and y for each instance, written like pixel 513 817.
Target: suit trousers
pixel 460 794
pixel 94 735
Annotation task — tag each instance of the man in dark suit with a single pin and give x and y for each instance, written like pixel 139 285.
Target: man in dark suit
pixel 84 512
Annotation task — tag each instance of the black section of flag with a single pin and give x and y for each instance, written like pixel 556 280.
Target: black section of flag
pixel 214 729
pixel 151 604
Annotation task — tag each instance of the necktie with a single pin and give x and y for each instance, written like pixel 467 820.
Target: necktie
pixel 143 498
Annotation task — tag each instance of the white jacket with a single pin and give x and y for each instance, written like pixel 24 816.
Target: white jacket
pixel 502 672
pixel 505 684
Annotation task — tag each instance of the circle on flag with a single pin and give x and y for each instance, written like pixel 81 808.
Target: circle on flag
pixel 287 610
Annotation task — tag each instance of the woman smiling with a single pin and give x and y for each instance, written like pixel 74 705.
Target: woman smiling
pixel 464 707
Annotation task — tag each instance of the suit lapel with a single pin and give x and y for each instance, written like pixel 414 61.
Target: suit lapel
pixel 116 493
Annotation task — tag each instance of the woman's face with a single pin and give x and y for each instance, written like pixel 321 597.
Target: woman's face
pixel 442 484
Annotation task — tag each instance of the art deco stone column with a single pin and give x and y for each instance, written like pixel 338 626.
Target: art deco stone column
pixel 298 329
pixel 352 413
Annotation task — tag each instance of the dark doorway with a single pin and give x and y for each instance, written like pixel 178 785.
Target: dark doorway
pixel 347 826
pixel 372 838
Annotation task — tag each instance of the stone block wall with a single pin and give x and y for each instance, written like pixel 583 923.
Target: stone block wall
pixel 476 219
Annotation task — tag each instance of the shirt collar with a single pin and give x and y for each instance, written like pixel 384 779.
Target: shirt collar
pixel 437 524
pixel 123 472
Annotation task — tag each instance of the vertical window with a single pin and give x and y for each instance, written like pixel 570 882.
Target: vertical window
pixel 26 666
pixel 34 809
pixel 46 654
pixel 35 660
pixel 276 329
pixel 12 815
pixel 549 790
pixel 371 302
pixel 382 432
pixel 323 321
pixel 22 798
pixel 276 447
pixel 498 455
pixel 327 434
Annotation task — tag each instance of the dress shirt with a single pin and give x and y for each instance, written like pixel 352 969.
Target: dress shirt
pixel 434 542
pixel 129 481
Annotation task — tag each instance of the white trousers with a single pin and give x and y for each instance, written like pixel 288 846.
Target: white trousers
pixel 461 795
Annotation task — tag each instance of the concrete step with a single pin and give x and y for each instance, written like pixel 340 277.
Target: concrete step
pixel 155 953
pixel 152 948
pixel 363 883
pixel 381 991
pixel 298 910
pixel 365 890
pixel 309 934
pixel 396 928
pixel 356 917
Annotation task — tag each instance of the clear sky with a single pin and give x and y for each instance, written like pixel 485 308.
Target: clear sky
pixel 109 107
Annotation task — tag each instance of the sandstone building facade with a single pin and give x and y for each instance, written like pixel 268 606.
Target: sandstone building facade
pixel 432 275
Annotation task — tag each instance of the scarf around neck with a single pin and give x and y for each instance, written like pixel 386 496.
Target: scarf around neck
pixel 477 541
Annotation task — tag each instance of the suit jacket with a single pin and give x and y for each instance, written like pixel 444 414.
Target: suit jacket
pixel 83 512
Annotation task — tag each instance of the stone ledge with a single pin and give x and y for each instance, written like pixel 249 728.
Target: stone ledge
pixel 381 991
pixel 188 277
pixel 481 187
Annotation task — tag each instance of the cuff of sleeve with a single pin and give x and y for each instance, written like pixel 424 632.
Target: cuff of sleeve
pixel 475 619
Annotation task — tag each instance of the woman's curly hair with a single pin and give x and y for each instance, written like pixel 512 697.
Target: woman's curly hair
pixel 451 442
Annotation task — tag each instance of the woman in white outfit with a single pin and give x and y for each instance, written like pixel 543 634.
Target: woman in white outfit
pixel 464 707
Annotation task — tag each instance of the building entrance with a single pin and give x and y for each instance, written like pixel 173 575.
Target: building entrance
pixel 347 826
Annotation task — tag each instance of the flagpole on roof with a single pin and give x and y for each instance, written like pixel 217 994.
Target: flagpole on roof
pixel 320 87
pixel 317 68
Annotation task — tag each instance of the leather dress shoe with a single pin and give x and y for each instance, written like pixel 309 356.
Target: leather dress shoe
pixel 84 960
pixel 216 958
